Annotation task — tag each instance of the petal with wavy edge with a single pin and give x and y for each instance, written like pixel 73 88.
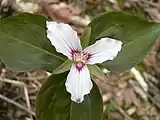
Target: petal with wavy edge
pixel 103 50
pixel 63 38
pixel 78 83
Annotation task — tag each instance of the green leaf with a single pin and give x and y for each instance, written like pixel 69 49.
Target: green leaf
pixel 96 71
pixel 108 108
pixel 64 67
pixel 138 37
pixel 85 37
pixel 24 45
pixel 54 102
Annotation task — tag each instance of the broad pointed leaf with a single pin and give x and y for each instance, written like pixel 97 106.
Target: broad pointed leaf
pixel 96 71
pixel 24 45
pixel 138 37
pixel 85 37
pixel 54 102
pixel 66 66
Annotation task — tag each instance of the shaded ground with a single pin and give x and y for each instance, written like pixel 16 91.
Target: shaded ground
pixel 132 95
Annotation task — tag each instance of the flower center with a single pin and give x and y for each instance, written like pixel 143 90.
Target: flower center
pixel 80 59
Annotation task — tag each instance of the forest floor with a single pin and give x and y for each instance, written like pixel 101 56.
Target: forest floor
pixel 131 95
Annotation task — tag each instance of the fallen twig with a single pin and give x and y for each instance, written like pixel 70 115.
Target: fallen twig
pixel 131 110
pixel 138 90
pixel 139 78
pixel 124 113
pixel 154 101
pixel 16 104
pixel 27 99
pixel 21 84
pixel 150 77
pixel 143 94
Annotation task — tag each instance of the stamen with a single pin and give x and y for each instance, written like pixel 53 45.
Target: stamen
pixel 80 59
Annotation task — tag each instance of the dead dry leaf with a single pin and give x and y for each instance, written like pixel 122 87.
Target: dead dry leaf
pixel 130 97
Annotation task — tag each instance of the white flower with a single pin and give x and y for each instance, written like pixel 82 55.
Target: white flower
pixel 66 41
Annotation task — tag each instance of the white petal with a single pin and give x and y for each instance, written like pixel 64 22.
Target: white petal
pixel 78 83
pixel 63 38
pixel 104 49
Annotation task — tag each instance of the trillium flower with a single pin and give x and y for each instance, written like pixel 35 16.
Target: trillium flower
pixel 66 41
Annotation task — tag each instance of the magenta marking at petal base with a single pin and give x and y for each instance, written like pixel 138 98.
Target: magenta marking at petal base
pixel 79 66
